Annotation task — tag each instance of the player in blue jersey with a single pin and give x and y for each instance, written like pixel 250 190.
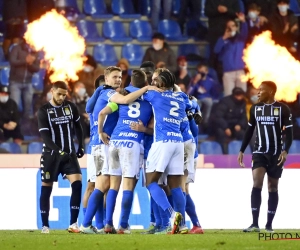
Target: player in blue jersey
pixel 166 155
pixel 107 96
pixel 94 140
pixel 123 151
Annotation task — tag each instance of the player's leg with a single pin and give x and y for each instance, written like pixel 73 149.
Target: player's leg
pixel 272 202
pixel 101 186
pixel 73 174
pixel 258 173
pixel 49 166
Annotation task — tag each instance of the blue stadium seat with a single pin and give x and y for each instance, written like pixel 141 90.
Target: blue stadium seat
pixel 145 7
pixel 133 53
pixel 88 30
pixel 171 30
pixel 115 31
pixel 175 7
pixel 11 147
pixel 3 62
pixel 96 9
pixel 234 148
pixel 196 29
pixel 73 4
pixel 105 54
pixel 298 121
pixel 210 148
pixel 188 49
pixel 141 30
pixel 124 8
pixel 38 80
pixel 295 7
pixel 4 76
pixel 203 8
pixel 295 148
pixel 35 148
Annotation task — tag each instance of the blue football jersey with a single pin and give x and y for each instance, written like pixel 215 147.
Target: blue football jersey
pixel 169 111
pixel 148 140
pixel 111 119
pixel 137 110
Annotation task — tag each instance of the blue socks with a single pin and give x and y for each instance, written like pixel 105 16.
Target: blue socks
pixel 156 213
pixel 110 205
pixel 99 217
pixel 191 211
pixel 164 217
pixel 170 199
pixel 126 207
pixel 84 210
pixel 179 201
pixel 159 196
pixel 152 217
pixel 95 201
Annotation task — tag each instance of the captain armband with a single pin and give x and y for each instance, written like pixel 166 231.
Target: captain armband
pixel 114 107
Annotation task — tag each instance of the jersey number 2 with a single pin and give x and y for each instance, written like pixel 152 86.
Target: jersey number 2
pixel 173 110
pixel 134 110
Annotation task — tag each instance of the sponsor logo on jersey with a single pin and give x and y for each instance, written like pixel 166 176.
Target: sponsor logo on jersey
pixel 127 144
pixel 267 119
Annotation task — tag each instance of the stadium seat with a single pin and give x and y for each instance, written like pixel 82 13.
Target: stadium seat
pixel 35 148
pixel 145 7
pixel 171 30
pixel 203 8
pixel 141 30
pixel 295 7
pixel 4 76
pixel 105 54
pixel 38 80
pixel 3 62
pixel 295 148
pixel 73 4
pixel 124 8
pixel 175 7
pixel 234 147
pixel 196 29
pixel 96 9
pixel 11 147
pixel 210 148
pixel 298 121
pixel 133 53
pixel 88 30
pixel 115 31
pixel 189 49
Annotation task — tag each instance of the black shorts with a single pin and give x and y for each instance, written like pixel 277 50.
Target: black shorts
pixel 269 162
pixel 51 166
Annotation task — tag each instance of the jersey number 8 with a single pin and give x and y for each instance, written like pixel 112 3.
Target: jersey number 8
pixel 134 110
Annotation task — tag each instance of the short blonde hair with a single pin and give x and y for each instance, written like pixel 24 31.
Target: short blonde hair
pixel 110 69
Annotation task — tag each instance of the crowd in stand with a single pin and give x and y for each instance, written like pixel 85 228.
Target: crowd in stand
pixel 223 97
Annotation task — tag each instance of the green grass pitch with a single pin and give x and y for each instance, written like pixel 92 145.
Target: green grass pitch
pixel 210 240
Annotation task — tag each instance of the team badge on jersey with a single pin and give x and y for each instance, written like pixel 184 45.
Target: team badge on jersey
pixel 276 111
pixel 258 109
pixel 47 175
pixel 67 111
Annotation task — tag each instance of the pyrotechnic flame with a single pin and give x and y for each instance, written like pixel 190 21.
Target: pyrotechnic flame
pixel 63 46
pixel 266 60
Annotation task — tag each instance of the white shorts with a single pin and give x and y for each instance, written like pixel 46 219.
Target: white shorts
pixel 166 157
pixel 191 176
pixel 90 168
pixel 124 158
pixel 189 153
pixel 100 153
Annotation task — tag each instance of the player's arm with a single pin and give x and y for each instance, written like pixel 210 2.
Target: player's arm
pixel 43 125
pixel 78 131
pixel 92 101
pixel 110 108
pixel 247 136
pixel 140 127
pixel 121 99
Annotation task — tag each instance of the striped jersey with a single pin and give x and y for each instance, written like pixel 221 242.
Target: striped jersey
pixel 59 121
pixel 269 120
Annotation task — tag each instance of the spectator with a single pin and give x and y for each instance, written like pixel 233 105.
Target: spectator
pixel 267 7
pixel 14 16
pixel 23 63
pixel 80 98
pixel 37 8
pixel 255 25
pixel 160 53
pixel 182 75
pixel 188 8
pixel 88 75
pixel 155 11
pixel 9 118
pixel 218 13
pixel 230 121
pixel 229 49
pixel 69 12
pixel 284 26
pixel 201 88
pixel 124 65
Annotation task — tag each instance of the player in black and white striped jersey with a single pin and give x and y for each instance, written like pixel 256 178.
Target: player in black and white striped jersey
pixel 270 118
pixel 57 121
